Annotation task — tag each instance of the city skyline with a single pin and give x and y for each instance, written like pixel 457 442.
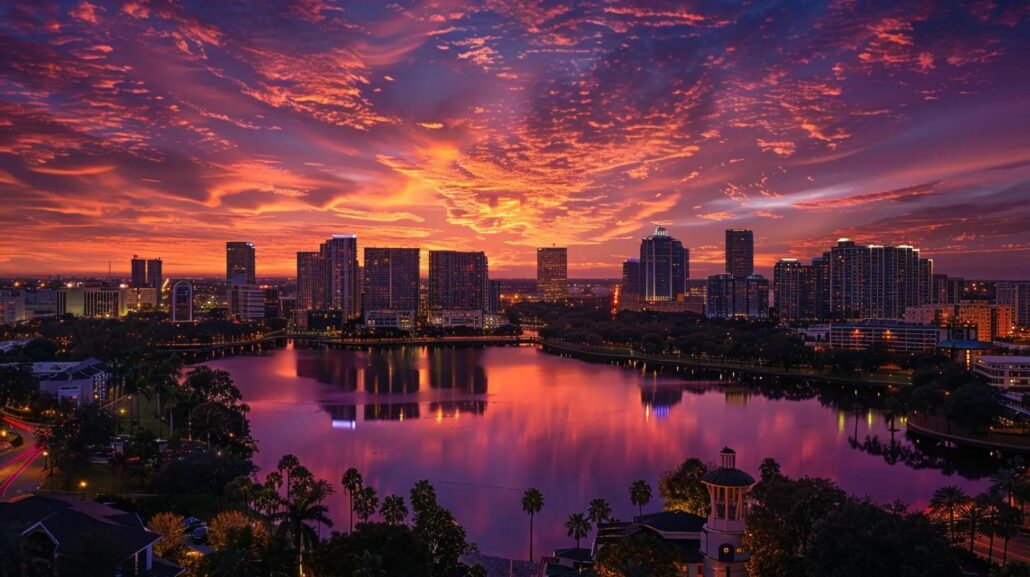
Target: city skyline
pixel 167 130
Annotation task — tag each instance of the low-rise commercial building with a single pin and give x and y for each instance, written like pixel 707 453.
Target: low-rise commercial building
pixel 991 320
pixel 1004 371
pixel 76 381
pixel 894 336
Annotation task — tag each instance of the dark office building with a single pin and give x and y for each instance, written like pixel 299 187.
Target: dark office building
pixel 458 280
pixel 740 252
pixel 239 260
pixel 391 279
pixel 146 273
pixel 631 277
pixel 730 296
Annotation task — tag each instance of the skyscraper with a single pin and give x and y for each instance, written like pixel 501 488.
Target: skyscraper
pixel 788 288
pixel 312 289
pixel 552 273
pixel 631 277
pixel 664 266
pixel 875 281
pixel 740 252
pixel 239 259
pixel 458 280
pixel 341 256
pixel 391 279
pixel 731 296
pixel 147 277
pixel 1016 294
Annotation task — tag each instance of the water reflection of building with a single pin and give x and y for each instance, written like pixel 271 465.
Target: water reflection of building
pixel 391 411
pixel 658 401
pixel 331 368
pixel 392 371
pixel 343 416
pixel 459 369
pixel 659 398
pixel 346 416
pixel 454 409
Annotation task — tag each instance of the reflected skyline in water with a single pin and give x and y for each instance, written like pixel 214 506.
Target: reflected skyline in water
pixel 484 424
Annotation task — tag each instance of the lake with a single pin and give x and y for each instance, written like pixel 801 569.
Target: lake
pixel 483 424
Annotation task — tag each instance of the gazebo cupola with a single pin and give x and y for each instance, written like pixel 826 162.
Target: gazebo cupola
pixel 727 487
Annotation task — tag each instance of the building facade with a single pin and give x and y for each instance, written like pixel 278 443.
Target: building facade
pixel 894 336
pixel 664 267
pixel 1003 371
pixel 458 281
pixel 93 301
pixel 240 258
pixel 991 321
pixel 1016 295
pixel 740 252
pixel 246 301
pixel 344 280
pixel 147 273
pixel 729 296
pixel 552 273
pixel 182 302
pixel 391 281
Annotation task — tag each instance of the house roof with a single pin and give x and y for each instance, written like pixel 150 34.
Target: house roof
pixel 672 522
pixel 68 371
pixel 69 520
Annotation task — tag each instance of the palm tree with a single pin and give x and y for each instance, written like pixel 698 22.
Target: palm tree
pixel 365 503
pixel 532 503
pixel 1005 482
pixel 640 494
pixel 393 510
pixel 353 482
pixel 947 502
pixel 295 522
pixel 973 514
pixel 1008 522
pixel 599 511
pixel 990 503
pixel 577 527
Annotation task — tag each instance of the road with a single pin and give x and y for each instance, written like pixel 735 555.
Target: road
pixel 1019 548
pixel 21 470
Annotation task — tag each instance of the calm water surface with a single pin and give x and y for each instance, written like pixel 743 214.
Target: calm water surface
pixel 483 424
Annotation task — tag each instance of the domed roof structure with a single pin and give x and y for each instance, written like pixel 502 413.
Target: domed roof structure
pixel 728 475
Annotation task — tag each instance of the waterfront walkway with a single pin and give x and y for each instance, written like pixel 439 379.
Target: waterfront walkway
pixel 626 354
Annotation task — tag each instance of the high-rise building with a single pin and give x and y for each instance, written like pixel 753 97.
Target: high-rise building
pixel 239 259
pixel 730 296
pixel 246 300
pixel 631 277
pixel 312 281
pixel 182 302
pixel 330 278
pixel 740 252
pixel 792 289
pixel 458 281
pixel 146 274
pixel 876 282
pixel 1016 294
pixel 493 297
pixel 664 266
pixel 991 320
pixel 341 255
pixel 552 276
pixel 947 290
pixel 391 279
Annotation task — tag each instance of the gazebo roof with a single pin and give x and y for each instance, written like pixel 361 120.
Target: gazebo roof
pixel 725 477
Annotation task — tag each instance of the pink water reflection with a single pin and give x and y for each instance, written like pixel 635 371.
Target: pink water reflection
pixel 484 424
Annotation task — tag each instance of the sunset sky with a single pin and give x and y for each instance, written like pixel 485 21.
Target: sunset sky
pixel 166 128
